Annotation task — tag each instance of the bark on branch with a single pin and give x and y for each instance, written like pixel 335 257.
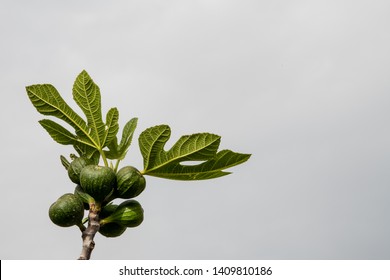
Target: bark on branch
pixel 89 233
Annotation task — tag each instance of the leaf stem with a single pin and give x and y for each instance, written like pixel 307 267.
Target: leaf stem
pixel 103 157
pixel 117 165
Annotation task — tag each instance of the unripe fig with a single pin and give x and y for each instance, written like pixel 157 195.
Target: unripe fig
pixel 97 181
pixel 130 182
pixel 129 214
pixel 110 229
pixel 107 210
pixel 75 168
pixel 67 211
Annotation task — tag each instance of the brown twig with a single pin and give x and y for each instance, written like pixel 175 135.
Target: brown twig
pixel 89 233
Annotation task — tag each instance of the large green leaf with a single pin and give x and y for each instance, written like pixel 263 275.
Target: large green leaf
pixel 119 151
pixel 87 95
pixel 90 136
pixel 112 126
pixel 63 136
pixel 93 135
pixel 112 152
pixel 59 134
pixel 209 169
pixel 196 147
pixel 127 136
pixel 48 101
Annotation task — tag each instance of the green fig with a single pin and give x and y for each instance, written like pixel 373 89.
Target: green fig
pixel 130 182
pixel 110 229
pixel 67 211
pixel 129 214
pixel 97 181
pixel 75 168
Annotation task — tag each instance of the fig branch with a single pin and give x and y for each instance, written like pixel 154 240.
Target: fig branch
pixel 89 233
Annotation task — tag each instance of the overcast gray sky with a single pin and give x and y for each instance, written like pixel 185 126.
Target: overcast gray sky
pixel 302 85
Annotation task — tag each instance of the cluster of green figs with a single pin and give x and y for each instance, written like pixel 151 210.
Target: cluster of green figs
pixel 99 185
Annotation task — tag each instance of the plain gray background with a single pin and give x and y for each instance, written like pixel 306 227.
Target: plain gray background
pixel 302 85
